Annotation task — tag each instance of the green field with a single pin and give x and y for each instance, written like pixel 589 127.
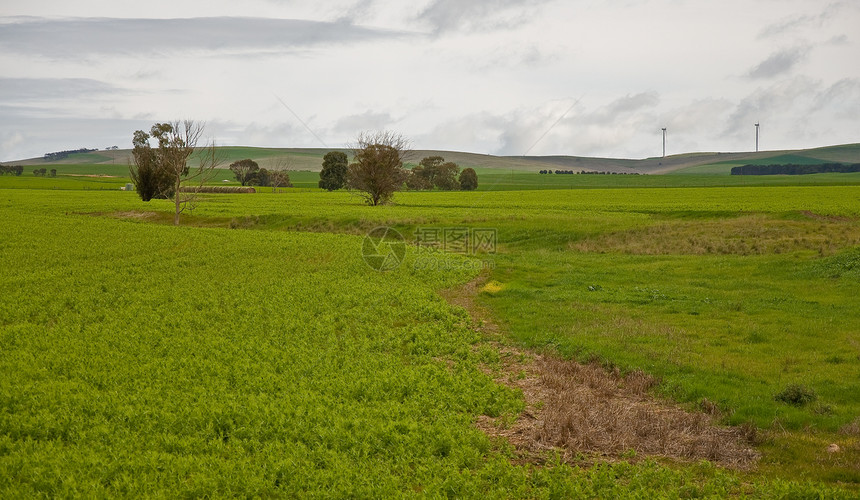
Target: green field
pixel 252 352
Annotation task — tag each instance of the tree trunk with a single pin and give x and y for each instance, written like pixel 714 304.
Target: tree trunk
pixel 176 198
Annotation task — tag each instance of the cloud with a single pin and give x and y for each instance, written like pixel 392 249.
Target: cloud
pixel 791 25
pixel 786 26
pixel 16 90
pixel 44 132
pixel 81 37
pixel 843 99
pixel 453 15
pixel 779 62
pixel 369 120
pixel 778 100
pixel 11 140
pixel 540 131
pixel 629 104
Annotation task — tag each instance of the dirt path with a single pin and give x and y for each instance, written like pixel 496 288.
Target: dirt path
pixel 579 408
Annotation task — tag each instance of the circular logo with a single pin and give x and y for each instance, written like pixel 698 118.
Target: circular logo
pixel 383 248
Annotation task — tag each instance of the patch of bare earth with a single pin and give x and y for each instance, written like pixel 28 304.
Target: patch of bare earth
pixel 134 215
pixel 576 408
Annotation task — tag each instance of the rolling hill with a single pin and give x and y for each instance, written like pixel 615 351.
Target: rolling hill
pixel 688 163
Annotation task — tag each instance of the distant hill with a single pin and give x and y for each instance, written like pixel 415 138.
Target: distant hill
pixel 689 163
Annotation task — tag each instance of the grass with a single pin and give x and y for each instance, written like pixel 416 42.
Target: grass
pixel 295 370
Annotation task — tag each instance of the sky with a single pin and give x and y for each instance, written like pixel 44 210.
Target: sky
pixel 505 77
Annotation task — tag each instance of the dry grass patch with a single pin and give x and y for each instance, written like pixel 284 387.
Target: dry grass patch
pixel 580 408
pixel 746 235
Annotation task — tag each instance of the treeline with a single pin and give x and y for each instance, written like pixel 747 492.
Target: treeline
pixel 432 172
pixel 249 173
pixel 42 172
pixel 792 169
pixel 583 172
pixel 11 169
pixel 61 155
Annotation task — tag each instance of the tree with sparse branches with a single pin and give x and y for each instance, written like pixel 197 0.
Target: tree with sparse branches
pixel 334 167
pixel 245 170
pixel 377 171
pixel 164 172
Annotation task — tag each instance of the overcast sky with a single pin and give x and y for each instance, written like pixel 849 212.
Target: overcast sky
pixel 513 77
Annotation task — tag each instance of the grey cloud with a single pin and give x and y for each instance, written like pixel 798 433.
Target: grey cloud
pixel 838 40
pixel 26 134
pixel 450 15
pixel 843 96
pixel 778 99
pixel 369 120
pixel 81 37
pixel 786 26
pixel 779 62
pixel 634 102
pixel 793 24
pixel 17 90
pixel 359 11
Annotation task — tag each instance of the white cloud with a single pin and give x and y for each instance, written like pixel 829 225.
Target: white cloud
pixel 492 76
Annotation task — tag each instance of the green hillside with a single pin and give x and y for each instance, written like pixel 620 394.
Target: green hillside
pixel 298 159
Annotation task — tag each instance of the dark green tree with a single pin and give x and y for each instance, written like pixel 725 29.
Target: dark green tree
pixel 417 180
pixel 334 168
pixel 468 179
pixel 430 168
pixel 164 172
pixel 245 170
pixel 446 176
pixel 150 179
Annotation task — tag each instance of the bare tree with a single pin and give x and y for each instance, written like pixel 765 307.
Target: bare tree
pixel 377 172
pixel 177 142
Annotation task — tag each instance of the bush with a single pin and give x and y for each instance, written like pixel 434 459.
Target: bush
pixel 796 395
pixel 468 179
pixel 333 173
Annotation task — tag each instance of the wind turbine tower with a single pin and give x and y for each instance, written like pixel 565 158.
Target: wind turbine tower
pixel 756 136
pixel 664 142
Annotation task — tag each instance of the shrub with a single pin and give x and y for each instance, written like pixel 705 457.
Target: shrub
pixel 796 395
pixel 333 173
pixel 468 179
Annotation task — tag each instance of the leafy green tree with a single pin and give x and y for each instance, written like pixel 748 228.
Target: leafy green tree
pixel 150 179
pixel 417 180
pixel 245 170
pixel 430 168
pixel 53 172
pixel 164 172
pixel 377 172
pixel 334 168
pixel 468 179
pixel 446 176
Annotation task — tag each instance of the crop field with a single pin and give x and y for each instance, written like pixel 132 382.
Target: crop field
pixel 253 352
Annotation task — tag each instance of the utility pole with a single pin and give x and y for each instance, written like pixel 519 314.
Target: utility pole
pixel 664 142
pixel 756 136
